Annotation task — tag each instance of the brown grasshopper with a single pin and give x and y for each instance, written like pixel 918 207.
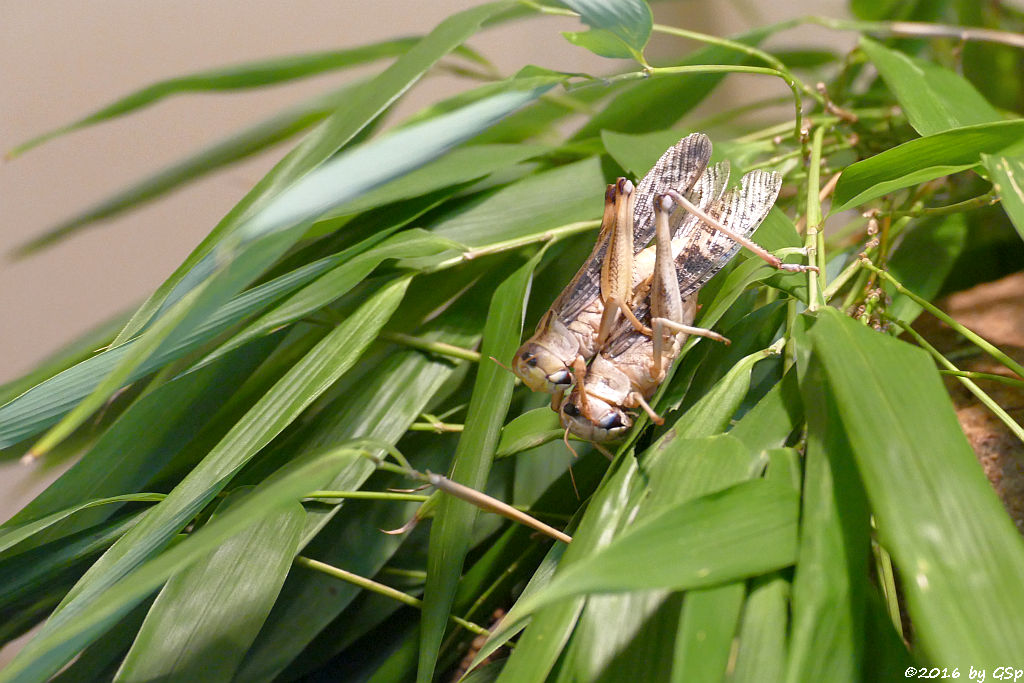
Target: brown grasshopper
pixel 631 366
pixel 583 315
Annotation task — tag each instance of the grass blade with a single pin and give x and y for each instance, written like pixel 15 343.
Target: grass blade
pixel 239 77
pixel 960 555
pixel 454 519
pixel 221 599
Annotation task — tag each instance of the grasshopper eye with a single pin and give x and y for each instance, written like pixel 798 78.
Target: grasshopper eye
pixel 529 358
pixel 571 410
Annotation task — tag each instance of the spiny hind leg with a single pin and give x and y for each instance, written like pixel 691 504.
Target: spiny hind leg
pixel 768 257
pixel 663 327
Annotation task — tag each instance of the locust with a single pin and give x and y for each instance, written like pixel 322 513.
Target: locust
pixel 633 363
pixel 580 320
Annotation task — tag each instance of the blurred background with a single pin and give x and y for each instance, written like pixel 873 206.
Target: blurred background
pixel 60 61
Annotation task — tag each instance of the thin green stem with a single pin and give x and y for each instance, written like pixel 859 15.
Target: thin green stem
pixel 813 244
pixel 987 199
pixel 985 399
pixel 992 377
pixel 833 287
pixel 552 235
pixel 918 29
pixel 973 337
pixel 437 347
pixel 887 579
pixel 381 589
pixel 369 495
pixel 728 68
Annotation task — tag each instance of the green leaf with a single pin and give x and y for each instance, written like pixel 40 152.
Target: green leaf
pixel 924 159
pixel 934 98
pixel 1007 175
pixel 629 21
pixel 228 150
pixel 531 429
pixel 602 43
pixel 706 631
pixel 537 203
pixel 70 630
pixel 219 602
pixel 303 383
pixel 339 130
pixel 829 585
pixel 923 260
pixel 657 103
pixel 381 407
pixel 492 392
pixel 960 556
pixel 747 530
pixel 242 76
pixel 10 536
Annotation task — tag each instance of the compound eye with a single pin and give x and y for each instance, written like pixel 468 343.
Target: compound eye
pixel 610 421
pixel 571 410
pixel 530 359
pixel 560 377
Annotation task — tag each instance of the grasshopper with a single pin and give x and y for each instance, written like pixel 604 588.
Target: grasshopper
pixel 631 366
pixel 583 315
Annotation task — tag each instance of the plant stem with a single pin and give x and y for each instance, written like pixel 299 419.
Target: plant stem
pixel 437 347
pixel 985 399
pixel 381 589
pixel 987 199
pixel 552 235
pixel 369 495
pixel 992 377
pixel 918 29
pixel 976 339
pixel 813 244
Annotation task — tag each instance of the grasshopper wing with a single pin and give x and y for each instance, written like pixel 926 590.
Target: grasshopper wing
pixel 678 169
pixel 705 250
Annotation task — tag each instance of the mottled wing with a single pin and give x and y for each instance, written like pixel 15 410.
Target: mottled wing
pixel 706 250
pixel 678 168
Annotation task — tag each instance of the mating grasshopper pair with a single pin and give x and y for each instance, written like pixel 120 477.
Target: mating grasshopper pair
pixel 631 306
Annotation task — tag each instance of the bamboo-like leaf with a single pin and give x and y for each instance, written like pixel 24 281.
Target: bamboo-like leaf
pixel 655 104
pixel 1007 175
pixel 335 133
pixel 623 27
pixel 66 633
pixel 747 530
pixel 219 602
pixel 924 259
pixel 221 153
pixel 239 77
pixel 12 535
pixel 924 159
pixel 829 583
pixel 139 443
pixel 706 631
pixel 320 368
pixel 934 98
pixel 959 554
pixel 454 519
pixel 382 407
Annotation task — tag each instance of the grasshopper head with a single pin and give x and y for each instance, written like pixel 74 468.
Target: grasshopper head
pixel 606 421
pixel 540 369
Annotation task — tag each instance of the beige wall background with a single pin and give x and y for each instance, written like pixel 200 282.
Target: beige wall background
pixel 61 60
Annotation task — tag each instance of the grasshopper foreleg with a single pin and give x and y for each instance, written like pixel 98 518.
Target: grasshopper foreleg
pixel 768 257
